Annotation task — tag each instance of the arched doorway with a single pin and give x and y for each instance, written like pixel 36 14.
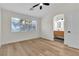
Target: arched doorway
pixel 58 27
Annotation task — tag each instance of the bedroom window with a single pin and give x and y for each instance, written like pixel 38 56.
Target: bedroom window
pixel 23 25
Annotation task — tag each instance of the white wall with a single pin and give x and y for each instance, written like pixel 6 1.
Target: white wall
pixel 46 28
pixel 9 36
pixel 72 39
pixel 0 27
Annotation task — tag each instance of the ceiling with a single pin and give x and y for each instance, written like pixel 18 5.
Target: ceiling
pixel 24 8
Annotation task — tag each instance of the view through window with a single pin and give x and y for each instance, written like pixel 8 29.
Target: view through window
pixel 20 25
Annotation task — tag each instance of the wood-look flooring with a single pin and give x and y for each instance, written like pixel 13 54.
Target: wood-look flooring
pixel 37 47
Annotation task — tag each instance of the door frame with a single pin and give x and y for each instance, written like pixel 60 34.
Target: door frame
pixel 64 24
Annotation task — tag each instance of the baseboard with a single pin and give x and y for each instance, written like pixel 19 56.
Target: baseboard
pixel 19 41
pixel 6 43
pixel 46 39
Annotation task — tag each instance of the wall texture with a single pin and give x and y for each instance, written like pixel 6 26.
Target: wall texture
pixel 46 28
pixel 9 36
pixel 72 38
pixel 0 27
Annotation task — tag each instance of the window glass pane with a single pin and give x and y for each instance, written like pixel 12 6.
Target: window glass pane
pixel 19 25
pixel 15 24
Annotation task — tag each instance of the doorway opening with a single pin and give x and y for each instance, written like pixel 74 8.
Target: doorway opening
pixel 58 28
